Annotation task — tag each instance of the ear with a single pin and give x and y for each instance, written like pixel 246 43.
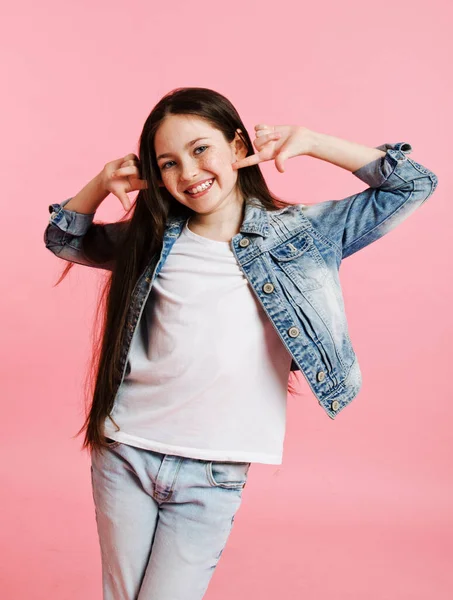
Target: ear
pixel 239 147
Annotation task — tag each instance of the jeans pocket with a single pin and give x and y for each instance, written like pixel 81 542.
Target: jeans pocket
pixel 228 475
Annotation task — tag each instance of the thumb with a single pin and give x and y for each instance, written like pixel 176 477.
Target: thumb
pixel 282 155
pixel 124 199
pixel 280 160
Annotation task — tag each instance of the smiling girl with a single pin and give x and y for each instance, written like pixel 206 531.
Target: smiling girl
pixel 217 293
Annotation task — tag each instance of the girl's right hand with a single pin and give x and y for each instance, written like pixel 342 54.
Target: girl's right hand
pixel 122 176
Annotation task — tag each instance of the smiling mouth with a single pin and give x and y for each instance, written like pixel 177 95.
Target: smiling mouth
pixel 199 189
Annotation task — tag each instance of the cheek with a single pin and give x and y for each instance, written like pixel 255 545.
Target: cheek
pixel 170 178
pixel 216 164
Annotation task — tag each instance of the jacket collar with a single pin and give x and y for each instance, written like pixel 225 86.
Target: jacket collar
pixel 256 220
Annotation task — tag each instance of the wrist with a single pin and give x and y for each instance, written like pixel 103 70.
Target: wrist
pixel 90 196
pixel 100 182
pixel 343 153
pixel 315 141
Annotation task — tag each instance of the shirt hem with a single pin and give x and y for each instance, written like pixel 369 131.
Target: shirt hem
pixel 197 453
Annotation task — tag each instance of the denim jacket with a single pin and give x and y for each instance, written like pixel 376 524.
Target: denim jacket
pixel 291 259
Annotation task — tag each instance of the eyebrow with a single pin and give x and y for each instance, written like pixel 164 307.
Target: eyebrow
pixel 167 154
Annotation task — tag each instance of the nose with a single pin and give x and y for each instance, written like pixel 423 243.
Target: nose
pixel 189 170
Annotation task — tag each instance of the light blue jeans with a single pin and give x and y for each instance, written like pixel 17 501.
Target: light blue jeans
pixel 162 520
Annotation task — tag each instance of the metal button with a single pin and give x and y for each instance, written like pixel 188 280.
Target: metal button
pixel 244 242
pixel 335 405
pixel 268 288
pixel 321 376
pixel 293 332
pixel 406 148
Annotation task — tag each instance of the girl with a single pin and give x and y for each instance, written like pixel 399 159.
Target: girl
pixel 217 292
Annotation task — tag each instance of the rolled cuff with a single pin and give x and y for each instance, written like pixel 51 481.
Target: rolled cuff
pixel 378 171
pixel 69 220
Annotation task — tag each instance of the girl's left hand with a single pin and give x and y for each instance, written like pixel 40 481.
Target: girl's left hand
pixel 278 142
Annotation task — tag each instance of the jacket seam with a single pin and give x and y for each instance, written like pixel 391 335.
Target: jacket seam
pixel 327 240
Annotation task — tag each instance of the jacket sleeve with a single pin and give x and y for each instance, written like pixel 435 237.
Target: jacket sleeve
pixel 74 237
pixel 397 187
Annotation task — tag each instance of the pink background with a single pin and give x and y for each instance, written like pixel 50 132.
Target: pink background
pixel 362 506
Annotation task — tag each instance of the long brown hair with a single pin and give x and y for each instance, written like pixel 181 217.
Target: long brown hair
pixel 143 239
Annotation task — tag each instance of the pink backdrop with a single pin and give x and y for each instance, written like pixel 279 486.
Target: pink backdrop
pixel 361 507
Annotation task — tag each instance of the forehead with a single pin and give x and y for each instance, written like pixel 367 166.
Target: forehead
pixel 176 130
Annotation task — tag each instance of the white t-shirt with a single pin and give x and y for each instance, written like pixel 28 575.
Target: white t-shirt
pixel 208 372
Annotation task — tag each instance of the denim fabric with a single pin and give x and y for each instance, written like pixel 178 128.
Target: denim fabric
pixel 162 520
pixel 291 259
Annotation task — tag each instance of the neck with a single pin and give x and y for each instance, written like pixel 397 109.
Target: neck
pixel 221 225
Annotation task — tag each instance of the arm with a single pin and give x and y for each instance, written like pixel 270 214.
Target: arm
pixel 397 187
pixel 343 153
pixel 72 235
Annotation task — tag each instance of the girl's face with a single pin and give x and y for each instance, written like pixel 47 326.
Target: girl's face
pixel 196 153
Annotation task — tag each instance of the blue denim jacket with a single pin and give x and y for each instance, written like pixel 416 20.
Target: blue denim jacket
pixel 291 259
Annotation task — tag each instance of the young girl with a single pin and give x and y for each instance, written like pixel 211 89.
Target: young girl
pixel 217 292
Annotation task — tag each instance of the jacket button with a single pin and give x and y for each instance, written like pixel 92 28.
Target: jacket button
pixel 268 288
pixel 335 405
pixel 293 331
pixel 321 376
pixel 406 148
pixel 244 242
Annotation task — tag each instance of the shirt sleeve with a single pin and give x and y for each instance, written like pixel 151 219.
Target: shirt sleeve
pixel 397 187
pixel 74 237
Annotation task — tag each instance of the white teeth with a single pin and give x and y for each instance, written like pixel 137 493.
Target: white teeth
pixel 200 188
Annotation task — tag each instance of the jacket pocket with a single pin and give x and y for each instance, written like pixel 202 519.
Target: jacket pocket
pixel 301 261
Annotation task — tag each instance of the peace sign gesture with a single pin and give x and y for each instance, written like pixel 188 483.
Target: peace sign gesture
pixel 278 142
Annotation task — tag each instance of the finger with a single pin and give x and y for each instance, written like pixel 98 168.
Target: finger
pixel 139 184
pixel 262 126
pixel 261 132
pixel 248 161
pixel 119 162
pixel 264 139
pixel 124 171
